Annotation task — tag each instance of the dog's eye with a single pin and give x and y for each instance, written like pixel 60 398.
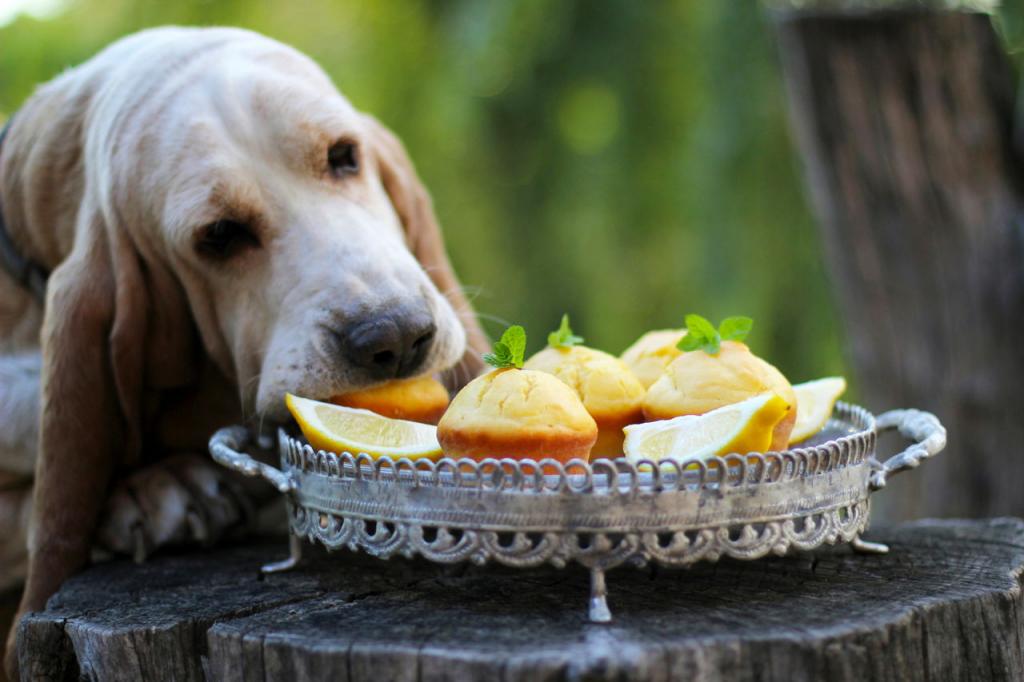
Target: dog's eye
pixel 226 238
pixel 343 159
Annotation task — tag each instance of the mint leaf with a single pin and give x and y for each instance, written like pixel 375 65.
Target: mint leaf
pixel 702 335
pixel 690 342
pixel 509 350
pixel 695 324
pixel 501 357
pixel 735 328
pixel 563 336
pixel 515 338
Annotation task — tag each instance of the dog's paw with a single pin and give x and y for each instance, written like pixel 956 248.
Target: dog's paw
pixel 183 499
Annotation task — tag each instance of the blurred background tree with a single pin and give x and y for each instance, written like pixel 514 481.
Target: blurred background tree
pixel 625 162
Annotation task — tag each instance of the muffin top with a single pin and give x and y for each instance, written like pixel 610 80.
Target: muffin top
pixel 603 382
pixel 696 382
pixel 514 401
pixel 649 355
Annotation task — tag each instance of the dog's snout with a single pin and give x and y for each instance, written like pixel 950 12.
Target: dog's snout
pixel 389 345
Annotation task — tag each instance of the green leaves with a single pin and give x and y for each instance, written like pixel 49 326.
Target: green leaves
pixel 509 350
pixel 735 328
pixel 702 335
pixel 563 336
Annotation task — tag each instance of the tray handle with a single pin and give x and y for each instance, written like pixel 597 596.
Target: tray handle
pixel 227 447
pixel 927 436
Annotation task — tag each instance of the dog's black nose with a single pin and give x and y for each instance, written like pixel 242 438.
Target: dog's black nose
pixel 390 344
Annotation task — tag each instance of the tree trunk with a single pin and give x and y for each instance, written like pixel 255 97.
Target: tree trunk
pixel 944 604
pixel 905 123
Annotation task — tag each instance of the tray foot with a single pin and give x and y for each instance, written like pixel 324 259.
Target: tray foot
pixel 294 556
pixel 865 547
pixel 599 612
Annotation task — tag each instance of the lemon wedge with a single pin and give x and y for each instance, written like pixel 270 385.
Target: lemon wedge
pixel 347 429
pixel 815 401
pixel 740 427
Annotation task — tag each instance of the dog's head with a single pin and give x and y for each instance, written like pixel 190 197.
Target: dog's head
pixel 294 223
pixel 235 187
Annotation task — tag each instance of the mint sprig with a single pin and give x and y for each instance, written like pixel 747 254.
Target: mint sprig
pixel 735 328
pixel 702 335
pixel 509 350
pixel 563 336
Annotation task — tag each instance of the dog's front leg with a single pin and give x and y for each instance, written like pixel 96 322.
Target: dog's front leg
pixel 184 499
pixel 19 432
pixel 19 413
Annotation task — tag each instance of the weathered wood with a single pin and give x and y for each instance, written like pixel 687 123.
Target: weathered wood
pixel 905 121
pixel 945 604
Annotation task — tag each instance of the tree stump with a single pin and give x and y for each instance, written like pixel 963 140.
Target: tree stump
pixel 905 121
pixel 944 604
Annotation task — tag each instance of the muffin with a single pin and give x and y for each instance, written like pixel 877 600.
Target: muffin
pixel 608 389
pixel 517 413
pixel 651 353
pixel 420 399
pixel 697 382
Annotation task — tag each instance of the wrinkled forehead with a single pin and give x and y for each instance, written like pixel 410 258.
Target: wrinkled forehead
pixel 274 104
pixel 249 122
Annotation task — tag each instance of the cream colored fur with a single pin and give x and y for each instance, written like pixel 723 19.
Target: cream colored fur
pixel 108 176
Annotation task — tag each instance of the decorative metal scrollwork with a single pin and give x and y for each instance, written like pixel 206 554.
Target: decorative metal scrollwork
pixel 601 514
pixel 523 549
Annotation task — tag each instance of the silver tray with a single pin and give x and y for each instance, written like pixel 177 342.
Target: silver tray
pixel 601 514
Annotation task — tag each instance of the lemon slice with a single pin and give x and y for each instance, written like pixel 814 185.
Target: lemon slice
pixel 815 401
pixel 347 429
pixel 741 427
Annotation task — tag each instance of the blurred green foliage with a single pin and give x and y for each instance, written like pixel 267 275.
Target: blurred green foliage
pixel 626 162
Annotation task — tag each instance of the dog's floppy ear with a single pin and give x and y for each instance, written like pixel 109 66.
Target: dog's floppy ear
pixel 104 342
pixel 95 351
pixel 81 422
pixel 423 234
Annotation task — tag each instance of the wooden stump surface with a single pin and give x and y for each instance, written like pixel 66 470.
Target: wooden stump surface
pixel 945 604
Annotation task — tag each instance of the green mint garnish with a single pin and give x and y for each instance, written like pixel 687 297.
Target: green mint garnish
pixel 702 335
pixel 563 336
pixel 509 351
pixel 735 328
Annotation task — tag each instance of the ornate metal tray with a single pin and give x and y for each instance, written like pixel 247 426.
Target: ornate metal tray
pixel 600 514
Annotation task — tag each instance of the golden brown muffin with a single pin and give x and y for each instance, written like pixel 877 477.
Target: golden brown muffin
pixel 609 391
pixel 651 354
pixel 696 382
pixel 420 399
pixel 517 413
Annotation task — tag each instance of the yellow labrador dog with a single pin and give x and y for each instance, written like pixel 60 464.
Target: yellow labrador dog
pixel 218 226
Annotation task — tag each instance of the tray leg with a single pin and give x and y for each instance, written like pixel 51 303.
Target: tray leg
pixel 599 612
pixel 865 547
pixel 294 556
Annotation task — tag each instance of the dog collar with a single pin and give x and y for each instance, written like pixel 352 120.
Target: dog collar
pixel 25 272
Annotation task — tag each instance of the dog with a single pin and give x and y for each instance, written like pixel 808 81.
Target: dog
pixel 214 225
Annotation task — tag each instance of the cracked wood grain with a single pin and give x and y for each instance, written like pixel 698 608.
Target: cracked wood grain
pixel 945 604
